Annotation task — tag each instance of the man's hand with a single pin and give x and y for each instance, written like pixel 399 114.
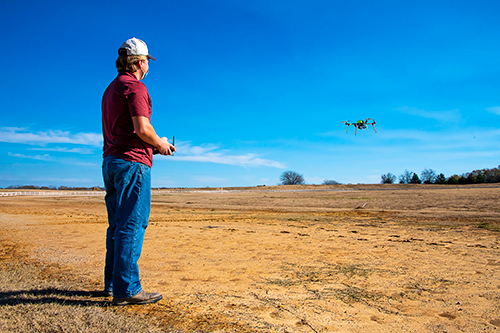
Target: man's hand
pixel 146 132
pixel 164 147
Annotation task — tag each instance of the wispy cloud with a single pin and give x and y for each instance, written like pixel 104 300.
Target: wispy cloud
pixel 44 157
pixel 83 151
pixel 448 115
pixel 466 142
pixel 494 109
pixel 48 158
pixel 441 137
pixel 211 153
pixel 41 138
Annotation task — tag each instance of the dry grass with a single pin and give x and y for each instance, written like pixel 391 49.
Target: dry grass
pixel 31 304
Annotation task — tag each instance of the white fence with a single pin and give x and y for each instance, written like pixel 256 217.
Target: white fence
pixel 51 193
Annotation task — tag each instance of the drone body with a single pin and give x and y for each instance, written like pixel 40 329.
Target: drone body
pixel 361 124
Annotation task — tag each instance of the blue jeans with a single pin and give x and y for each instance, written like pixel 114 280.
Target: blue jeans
pixel 128 202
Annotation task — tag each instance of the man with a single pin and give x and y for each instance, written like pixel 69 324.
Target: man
pixel 129 139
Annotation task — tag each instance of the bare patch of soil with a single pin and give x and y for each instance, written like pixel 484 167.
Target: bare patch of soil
pixel 322 259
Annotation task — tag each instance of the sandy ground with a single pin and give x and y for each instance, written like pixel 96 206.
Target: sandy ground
pixel 336 259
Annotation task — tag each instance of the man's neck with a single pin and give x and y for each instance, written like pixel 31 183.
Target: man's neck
pixel 138 74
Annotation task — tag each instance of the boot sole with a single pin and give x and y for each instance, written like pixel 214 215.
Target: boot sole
pixel 146 301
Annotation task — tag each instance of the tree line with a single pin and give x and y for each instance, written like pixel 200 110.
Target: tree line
pixel 429 176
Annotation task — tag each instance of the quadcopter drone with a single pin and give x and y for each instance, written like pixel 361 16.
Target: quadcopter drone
pixel 361 124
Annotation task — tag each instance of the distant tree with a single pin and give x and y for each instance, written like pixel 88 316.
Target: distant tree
pixel 453 179
pixel 291 178
pixel 428 176
pixel 471 178
pixel 440 179
pixel 331 182
pixel 29 187
pixel 388 178
pixel 415 179
pixel 481 178
pixel 406 177
pixel 491 175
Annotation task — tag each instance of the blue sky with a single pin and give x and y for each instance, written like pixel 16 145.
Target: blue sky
pixel 251 89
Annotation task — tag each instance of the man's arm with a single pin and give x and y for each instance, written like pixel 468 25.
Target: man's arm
pixel 146 132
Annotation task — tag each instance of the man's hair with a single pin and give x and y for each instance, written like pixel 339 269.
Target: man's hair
pixel 129 63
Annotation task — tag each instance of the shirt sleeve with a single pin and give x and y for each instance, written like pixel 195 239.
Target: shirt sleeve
pixel 139 101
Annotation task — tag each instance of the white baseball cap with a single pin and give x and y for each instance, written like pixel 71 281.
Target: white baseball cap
pixel 135 46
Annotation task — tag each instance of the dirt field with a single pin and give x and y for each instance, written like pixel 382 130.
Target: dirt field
pixel 375 258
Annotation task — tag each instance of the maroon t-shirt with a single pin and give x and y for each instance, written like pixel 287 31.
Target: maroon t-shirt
pixel 125 97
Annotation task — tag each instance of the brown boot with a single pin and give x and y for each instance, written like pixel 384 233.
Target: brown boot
pixel 102 293
pixel 141 298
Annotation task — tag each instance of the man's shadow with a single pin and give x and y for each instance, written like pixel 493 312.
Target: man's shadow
pixel 53 295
